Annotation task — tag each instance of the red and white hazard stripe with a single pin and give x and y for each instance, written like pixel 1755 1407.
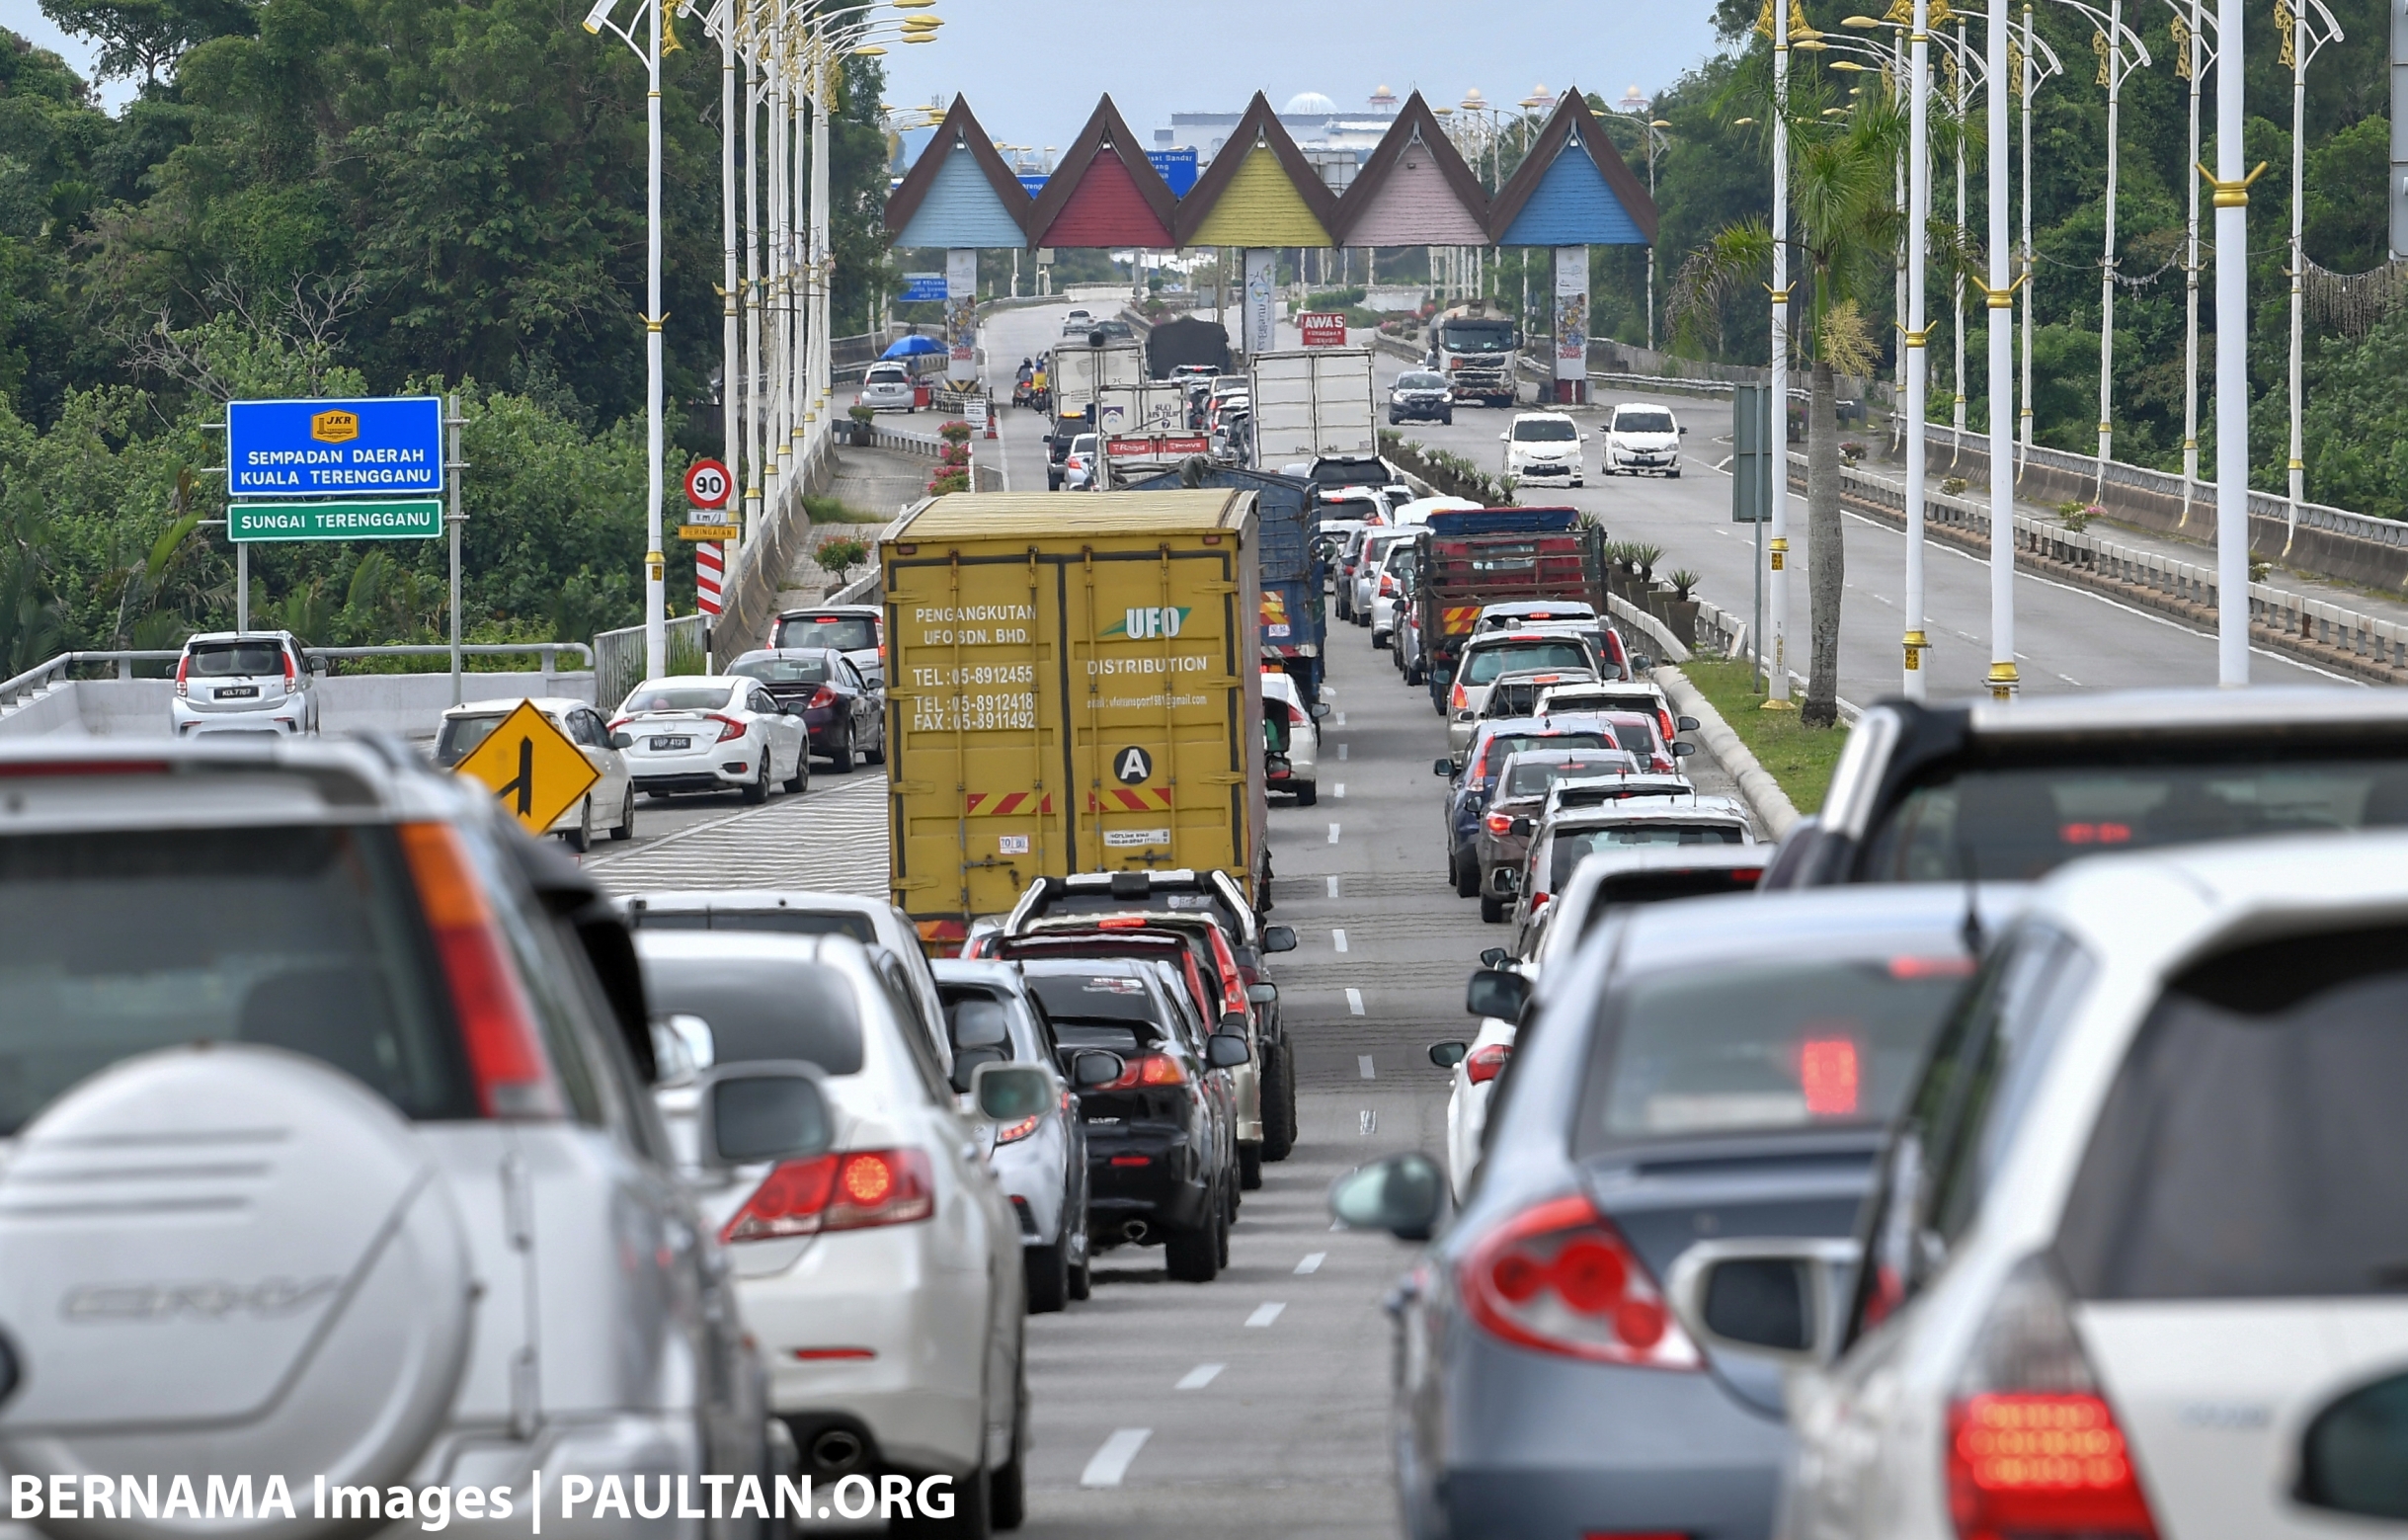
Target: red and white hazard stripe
pixel 707 568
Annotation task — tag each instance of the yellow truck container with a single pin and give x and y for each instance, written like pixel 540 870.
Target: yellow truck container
pixel 1074 683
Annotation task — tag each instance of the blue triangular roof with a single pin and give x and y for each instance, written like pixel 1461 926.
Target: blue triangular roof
pixel 961 206
pixel 1574 205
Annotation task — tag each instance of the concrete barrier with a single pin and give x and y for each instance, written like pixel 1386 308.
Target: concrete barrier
pixel 411 705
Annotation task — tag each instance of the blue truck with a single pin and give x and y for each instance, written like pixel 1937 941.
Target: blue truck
pixel 1294 623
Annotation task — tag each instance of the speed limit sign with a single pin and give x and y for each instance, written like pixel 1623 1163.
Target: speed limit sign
pixel 707 484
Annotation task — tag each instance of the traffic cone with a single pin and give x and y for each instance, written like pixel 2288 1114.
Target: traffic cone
pixel 990 417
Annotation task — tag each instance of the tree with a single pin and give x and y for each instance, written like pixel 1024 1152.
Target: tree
pixel 146 37
pixel 1841 188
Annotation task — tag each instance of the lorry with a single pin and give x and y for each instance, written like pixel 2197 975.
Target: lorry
pixel 1312 403
pixel 1469 558
pixel 1071 687
pixel 1080 369
pixel 1143 428
pixel 1291 571
pixel 1475 346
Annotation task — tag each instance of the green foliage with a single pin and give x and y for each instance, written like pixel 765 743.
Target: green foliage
pixel 839 556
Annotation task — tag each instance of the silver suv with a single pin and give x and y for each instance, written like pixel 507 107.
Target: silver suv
pixel 245 681
pixel 327 1148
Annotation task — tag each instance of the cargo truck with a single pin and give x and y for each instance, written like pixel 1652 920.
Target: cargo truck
pixel 1312 403
pixel 1294 611
pixel 1080 370
pixel 1475 347
pixel 1072 685
pixel 1474 557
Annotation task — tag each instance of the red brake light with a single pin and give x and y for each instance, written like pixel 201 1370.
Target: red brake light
pixel 729 727
pixel 1013 1133
pixel 1560 1278
pixel 1296 715
pixel 823 697
pixel 181 663
pixel 1459 700
pixel 855 1190
pixel 2041 1465
pixel 1120 923
pixel 1149 1068
pixel 287 657
pixel 1831 1076
pixel 1388 583
pixel 1487 1063
pixel 1499 823
pixel 505 1056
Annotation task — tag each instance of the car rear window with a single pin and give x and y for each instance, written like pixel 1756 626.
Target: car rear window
pixel 1532 781
pixel 1740 1048
pixel 845 633
pixel 224 660
pixel 1492 758
pixel 783 671
pixel 775 922
pixel 1486 663
pixel 1093 998
pixel 2017 824
pixel 1573 844
pixel 763 1007
pixel 460 736
pixel 678 699
pixel 2252 1144
pixel 112 944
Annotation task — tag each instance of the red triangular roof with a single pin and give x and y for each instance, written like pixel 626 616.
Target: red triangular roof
pixel 1413 116
pixel 1104 192
pixel 1259 124
pixel 960 126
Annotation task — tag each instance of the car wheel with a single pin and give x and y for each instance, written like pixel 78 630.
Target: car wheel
pixel 1278 1106
pixel 624 829
pixel 1007 1492
pixel 1379 641
pixel 1467 878
pixel 801 780
pixel 1083 1277
pixel 1308 793
pixel 1221 1230
pixel 877 755
pixel 1194 1255
pixel 840 758
pixel 1249 1166
pixel 580 837
pixel 1049 1276
pixel 758 791
pixel 1492 908
pixel 1673 475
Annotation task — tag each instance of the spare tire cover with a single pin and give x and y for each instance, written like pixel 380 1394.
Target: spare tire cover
pixel 231 1261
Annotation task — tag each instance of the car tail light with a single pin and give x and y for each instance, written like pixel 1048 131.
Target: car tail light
pixel 858 1189
pixel 287 657
pixel 1499 823
pixel 1296 715
pixel 729 727
pixel 1459 700
pixel 181 663
pixel 1013 1133
pixel 1149 1068
pixel 505 1056
pixel 1388 584
pixel 1560 1278
pixel 823 697
pixel 2032 1447
pixel 1485 1064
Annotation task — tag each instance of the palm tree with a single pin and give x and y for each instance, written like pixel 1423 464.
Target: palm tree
pixel 1842 166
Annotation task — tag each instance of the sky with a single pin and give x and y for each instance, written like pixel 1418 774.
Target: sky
pixel 1032 69
pixel 25 18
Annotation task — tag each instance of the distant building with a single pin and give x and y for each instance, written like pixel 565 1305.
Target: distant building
pixel 1334 140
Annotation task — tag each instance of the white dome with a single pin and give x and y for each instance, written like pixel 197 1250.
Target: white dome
pixel 1308 103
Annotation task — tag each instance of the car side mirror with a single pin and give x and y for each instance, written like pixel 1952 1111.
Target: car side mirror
pixel 1226 1050
pixel 1447 1055
pixel 1519 828
pixel 1502 436
pixel 1682 751
pixel 1495 991
pixel 1262 994
pixel 1094 1067
pixel 767 1110
pixel 1685 724
pixel 1495 957
pixel 1442 768
pixel 1776 1299
pixel 1013 1092
pixel 1232 1022
pixel 1403 1194
pixel 1321 708
pixel 1508 880
pixel 1642 661
pixel 622 740
pixel 1279 939
pixel 1684 433
pixel 316 664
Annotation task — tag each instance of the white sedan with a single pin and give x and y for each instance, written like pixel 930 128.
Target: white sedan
pixel 707 733
pixel 1303 777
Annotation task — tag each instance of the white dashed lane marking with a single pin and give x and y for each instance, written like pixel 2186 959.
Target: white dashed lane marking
pixel 1265 1314
pixel 1111 1462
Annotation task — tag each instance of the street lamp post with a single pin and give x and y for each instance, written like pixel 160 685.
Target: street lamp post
pixel 1781 30
pixel 2191 37
pixel 2232 203
pixel 2120 51
pixel 2306 26
pixel 2000 292
pixel 1917 335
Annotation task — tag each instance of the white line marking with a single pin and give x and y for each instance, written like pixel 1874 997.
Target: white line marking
pixel 1367 1121
pixel 1362 1062
pixel 1341 719
pixel 1265 1314
pixel 1311 1262
pixel 1337 940
pixel 1111 1462
pixel 1341 750
pixel 1334 887
pixel 1338 791
pixel 1333 833
pixel 1354 1006
pixel 1201 1375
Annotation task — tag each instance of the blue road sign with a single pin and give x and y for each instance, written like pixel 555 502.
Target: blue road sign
pixel 922 288
pixel 1178 168
pixel 1033 182
pixel 385 444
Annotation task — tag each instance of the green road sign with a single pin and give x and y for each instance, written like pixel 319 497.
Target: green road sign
pixel 405 519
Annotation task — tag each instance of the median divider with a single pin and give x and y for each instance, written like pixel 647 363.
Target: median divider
pixel 1773 810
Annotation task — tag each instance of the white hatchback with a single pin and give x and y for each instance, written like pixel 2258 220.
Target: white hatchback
pixel 707 733
pixel 1642 437
pixel 888 388
pixel 2134 1247
pixel 1543 449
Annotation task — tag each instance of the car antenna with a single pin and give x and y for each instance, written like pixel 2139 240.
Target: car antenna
pixel 1971 929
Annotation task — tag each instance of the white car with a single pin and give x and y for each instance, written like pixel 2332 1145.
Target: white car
pixel 1388 587
pixel 1544 449
pixel 707 733
pixel 1279 692
pixel 608 804
pixel 881 1280
pixel 1375 547
pixel 244 682
pixel 1079 468
pixel 1417 510
pixel 1489 654
pixel 2133 1244
pixel 1642 437
pixel 888 388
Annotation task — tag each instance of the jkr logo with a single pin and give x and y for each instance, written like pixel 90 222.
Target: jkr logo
pixel 1149 621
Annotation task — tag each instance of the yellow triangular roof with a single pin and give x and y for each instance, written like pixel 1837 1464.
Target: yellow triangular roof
pixel 1261 206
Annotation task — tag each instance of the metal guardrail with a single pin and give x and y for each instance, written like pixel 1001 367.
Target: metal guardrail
pixel 58 669
pixel 618 657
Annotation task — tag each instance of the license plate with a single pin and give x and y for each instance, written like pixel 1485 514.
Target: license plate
pixel 672 743
pixel 237 692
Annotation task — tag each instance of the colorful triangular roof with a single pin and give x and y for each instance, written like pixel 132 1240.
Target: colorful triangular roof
pixel 959 191
pixel 1259 191
pixel 1573 188
pixel 1414 189
pixel 1104 192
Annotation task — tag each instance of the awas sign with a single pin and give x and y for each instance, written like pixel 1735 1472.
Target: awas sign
pixel 1323 328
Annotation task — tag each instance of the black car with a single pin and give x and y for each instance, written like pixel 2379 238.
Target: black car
pixel 844 713
pixel 1161 1160
pixel 1420 395
pixel 1066 430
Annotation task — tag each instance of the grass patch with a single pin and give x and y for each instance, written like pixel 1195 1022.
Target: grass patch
pixel 1799 757
pixel 826 510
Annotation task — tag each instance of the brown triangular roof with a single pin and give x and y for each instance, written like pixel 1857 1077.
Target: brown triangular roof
pixel 1571 113
pixel 1263 124
pixel 1415 115
pixel 960 126
pixel 1105 129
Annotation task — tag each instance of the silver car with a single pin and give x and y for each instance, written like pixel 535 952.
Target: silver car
pixel 245 681
pixel 888 388
pixel 1041 1161
pixel 328 1150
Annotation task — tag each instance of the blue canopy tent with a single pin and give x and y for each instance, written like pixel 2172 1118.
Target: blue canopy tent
pixel 912 347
